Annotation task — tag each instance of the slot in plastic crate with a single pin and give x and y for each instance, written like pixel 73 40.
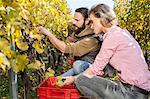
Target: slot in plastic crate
pixel 48 90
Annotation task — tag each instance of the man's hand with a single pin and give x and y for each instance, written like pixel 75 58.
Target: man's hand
pixel 44 31
pixel 60 45
pixel 69 80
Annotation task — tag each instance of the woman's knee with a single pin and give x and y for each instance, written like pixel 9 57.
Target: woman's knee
pixel 80 81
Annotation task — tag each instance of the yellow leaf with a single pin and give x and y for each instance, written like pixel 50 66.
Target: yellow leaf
pixel 34 34
pixel 1 61
pixel 19 63
pixel 2 8
pixel 8 9
pixel 8 52
pixel 22 45
pixel 4 59
pixel 38 47
pixel 4 62
pixel 17 34
pixel 50 73
pixel 2 33
pixel 35 65
pixel 3 43
pixel 8 28
pixel 3 68
pixel 37 36
pixel 47 75
pixel 24 13
pixel 15 67
pixel 22 59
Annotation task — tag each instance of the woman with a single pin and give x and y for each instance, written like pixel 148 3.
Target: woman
pixel 120 50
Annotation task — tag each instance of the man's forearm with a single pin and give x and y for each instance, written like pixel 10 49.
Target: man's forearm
pixel 60 45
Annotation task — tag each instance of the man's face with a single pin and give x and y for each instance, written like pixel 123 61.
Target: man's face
pixel 78 21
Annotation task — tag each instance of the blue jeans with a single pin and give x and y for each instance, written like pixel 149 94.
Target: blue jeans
pixel 78 67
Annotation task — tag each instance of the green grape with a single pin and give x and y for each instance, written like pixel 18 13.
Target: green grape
pixel 59 81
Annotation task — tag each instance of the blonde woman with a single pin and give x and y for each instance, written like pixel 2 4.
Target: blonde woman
pixel 120 50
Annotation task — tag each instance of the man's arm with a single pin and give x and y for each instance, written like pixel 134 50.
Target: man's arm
pixel 82 47
pixel 60 45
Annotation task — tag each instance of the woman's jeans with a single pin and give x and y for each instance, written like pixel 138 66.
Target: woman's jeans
pixel 78 67
pixel 101 88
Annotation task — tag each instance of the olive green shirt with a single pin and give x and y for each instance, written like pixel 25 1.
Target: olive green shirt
pixel 86 44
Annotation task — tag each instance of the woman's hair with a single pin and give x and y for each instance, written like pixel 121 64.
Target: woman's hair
pixel 105 13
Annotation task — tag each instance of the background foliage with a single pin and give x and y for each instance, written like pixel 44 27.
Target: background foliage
pixel 20 43
pixel 134 16
pixel 30 54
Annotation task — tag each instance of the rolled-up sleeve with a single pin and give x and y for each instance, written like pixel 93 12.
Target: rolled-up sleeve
pixel 107 50
pixel 82 47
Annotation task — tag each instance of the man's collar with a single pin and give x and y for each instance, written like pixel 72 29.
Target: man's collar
pixel 86 31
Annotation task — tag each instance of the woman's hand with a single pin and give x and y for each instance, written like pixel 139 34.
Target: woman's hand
pixel 69 80
pixel 44 31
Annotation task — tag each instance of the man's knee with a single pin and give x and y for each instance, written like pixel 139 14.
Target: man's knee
pixel 77 67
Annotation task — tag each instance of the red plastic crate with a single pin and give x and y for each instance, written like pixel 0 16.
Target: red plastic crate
pixel 48 90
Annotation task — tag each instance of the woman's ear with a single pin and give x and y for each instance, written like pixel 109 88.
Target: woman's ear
pixel 104 22
pixel 87 21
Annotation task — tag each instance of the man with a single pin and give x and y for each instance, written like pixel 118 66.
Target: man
pixel 82 43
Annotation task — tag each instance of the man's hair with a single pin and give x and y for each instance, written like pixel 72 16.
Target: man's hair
pixel 83 11
pixel 103 11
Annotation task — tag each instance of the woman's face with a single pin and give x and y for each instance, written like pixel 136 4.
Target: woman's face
pixel 96 25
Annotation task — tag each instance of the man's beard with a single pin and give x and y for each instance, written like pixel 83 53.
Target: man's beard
pixel 77 31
